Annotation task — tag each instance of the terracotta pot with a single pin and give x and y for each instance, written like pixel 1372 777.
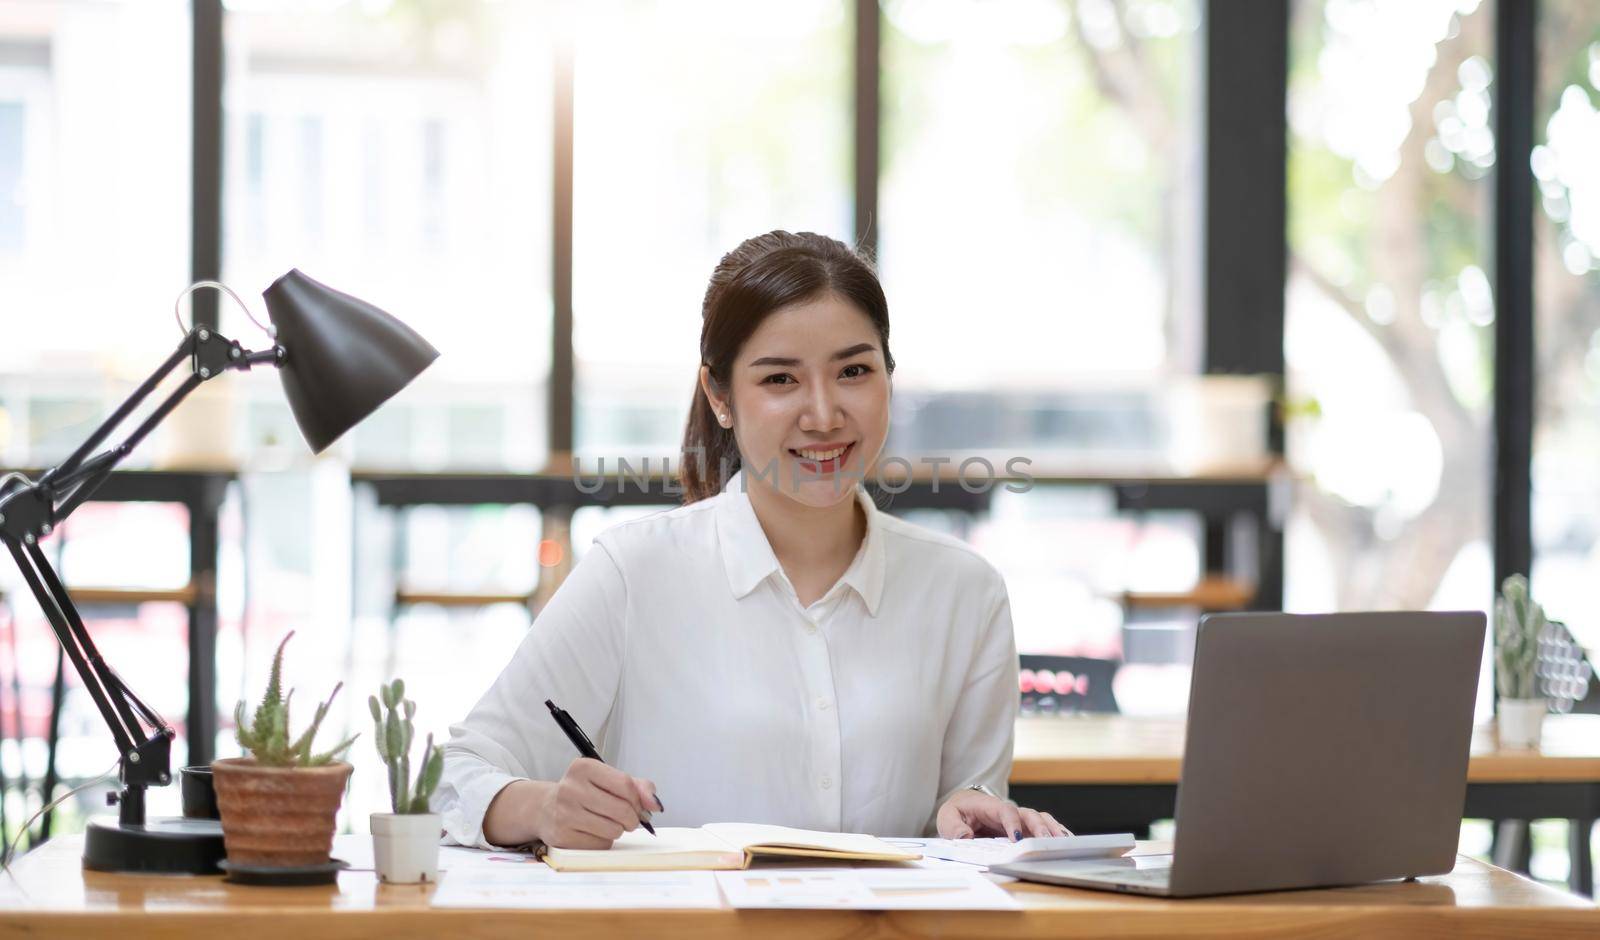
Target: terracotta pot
pixel 278 816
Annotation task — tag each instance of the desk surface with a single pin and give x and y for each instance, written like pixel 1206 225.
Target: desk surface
pixel 51 895
pixel 1102 749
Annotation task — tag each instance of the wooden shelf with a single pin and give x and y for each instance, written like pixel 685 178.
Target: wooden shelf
pixel 106 596
pixel 1211 593
pixel 459 599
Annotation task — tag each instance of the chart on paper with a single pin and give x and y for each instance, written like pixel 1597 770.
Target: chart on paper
pixel 529 886
pixel 864 889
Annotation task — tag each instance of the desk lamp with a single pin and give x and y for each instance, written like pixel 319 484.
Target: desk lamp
pixel 339 358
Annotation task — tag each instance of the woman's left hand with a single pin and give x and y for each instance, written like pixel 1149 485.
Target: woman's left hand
pixel 972 813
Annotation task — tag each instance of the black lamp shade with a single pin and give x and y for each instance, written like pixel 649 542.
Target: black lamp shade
pixel 344 357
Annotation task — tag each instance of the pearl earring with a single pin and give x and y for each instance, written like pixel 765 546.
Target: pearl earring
pixel 723 418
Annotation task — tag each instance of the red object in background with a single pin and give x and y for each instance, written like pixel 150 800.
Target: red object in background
pixel 1047 682
pixel 1067 683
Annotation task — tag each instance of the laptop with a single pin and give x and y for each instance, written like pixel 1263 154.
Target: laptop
pixel 1321 750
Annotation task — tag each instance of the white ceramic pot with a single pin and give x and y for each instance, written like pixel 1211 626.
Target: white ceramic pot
pixel 405 847
pixel 1520 721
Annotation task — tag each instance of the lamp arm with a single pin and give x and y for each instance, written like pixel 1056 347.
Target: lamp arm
pixel 66 486
pixel 97 469
pixel 64 620
pixel 66 467
pixel 30 511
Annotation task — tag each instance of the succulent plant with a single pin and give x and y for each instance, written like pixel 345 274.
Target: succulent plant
pixel 1518 625
pixel 393 731
pixel 266 736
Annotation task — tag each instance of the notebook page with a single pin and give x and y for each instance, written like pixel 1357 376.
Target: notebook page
pixel 747 835
pixel 687 847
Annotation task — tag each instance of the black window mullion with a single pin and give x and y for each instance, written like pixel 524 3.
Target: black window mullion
pixel 205 231
pixel 562 368
pixel 1245 245
pixel 205 263
pixel 867 122
pixel 1246 173
pixel 1515 88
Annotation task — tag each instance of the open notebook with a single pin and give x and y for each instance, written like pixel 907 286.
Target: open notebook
pixel 722 846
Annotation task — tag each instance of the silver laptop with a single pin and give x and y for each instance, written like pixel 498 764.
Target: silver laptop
pixel 1322 750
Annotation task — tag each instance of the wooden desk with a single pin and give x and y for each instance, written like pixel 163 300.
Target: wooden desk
pixel 51 895
pixel 1115 770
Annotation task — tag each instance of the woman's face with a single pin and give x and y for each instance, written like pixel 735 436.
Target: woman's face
pixel 809 401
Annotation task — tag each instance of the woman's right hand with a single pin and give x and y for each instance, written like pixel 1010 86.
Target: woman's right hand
pixel 592 805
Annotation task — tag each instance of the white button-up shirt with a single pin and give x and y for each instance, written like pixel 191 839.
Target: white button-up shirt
pixel 680 646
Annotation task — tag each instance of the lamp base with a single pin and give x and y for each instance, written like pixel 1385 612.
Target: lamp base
pixel 165 845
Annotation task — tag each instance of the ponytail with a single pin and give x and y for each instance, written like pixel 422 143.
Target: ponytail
pixel 710 453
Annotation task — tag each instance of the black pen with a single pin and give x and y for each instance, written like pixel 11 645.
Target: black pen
pixel 585 746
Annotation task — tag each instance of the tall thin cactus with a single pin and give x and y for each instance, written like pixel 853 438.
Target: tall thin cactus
pixel 1518 624
pixel 391 719
pixel 266 736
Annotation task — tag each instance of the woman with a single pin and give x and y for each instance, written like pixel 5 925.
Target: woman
pixel 777 650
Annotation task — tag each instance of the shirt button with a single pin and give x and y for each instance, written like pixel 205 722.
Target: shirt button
pixel 811 627
pixel 822 703
pixel 827 782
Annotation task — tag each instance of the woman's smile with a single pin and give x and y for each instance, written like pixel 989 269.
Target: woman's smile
pixel 822 458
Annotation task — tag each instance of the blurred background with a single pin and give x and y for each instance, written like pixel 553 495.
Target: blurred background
pixel 542 188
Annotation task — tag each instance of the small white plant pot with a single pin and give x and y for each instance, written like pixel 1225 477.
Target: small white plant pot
pixel 405 847
pixel 1520 722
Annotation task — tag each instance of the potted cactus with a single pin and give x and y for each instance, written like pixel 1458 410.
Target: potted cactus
pixel 1518 625
pixel 405 842
pixel 278 802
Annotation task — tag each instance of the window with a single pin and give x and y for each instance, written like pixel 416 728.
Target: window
pixel 401 153
pixel 1566 166
pixel 94 245
pixel 94 210
pixel 1389 337
pixel 1040 168
pixel 698 125
pixel 13 207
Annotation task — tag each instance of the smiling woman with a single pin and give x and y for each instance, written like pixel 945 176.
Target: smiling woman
pixel 851 671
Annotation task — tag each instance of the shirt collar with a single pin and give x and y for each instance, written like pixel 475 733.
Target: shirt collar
pixel 748 558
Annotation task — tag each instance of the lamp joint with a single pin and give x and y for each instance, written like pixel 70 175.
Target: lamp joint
pixel 211 359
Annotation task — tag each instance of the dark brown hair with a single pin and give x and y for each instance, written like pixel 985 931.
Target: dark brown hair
pixel 764 274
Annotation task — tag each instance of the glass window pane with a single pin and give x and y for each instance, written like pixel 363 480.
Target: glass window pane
pixel 1039 169
pixel 1566 452
pixel 698 125
pixel 1389 339
pixel 93 247
pixel 401 153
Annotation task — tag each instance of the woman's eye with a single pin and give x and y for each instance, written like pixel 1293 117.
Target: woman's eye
pixel 854 370
pixel 782 378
